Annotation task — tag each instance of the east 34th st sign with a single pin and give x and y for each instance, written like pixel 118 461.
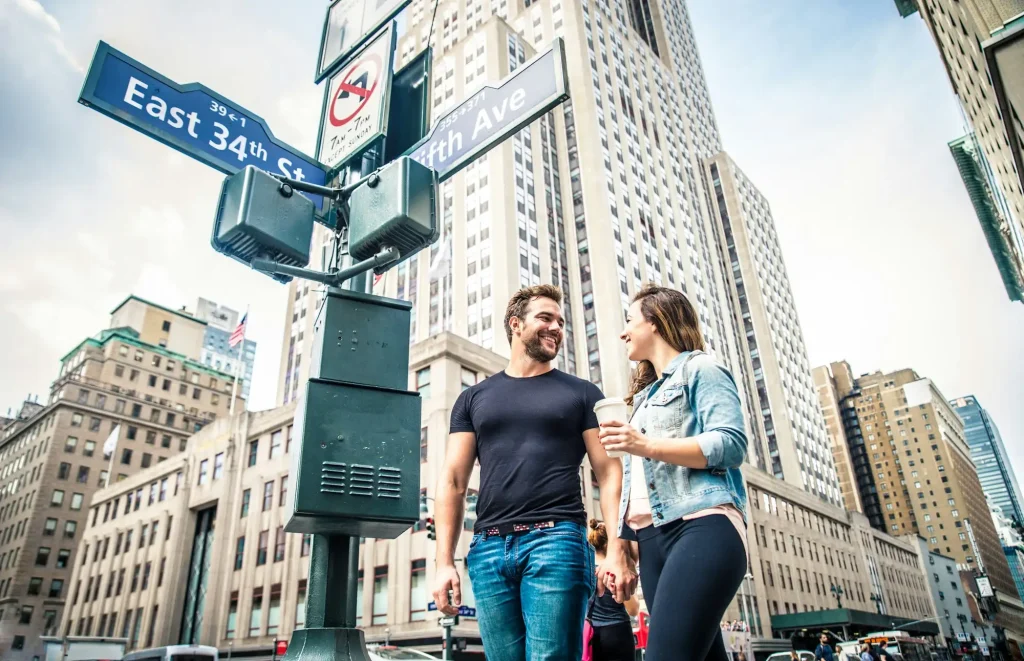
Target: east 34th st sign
pixel 192 118
pixel 485 119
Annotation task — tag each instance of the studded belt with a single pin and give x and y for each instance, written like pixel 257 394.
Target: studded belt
pixel 506 529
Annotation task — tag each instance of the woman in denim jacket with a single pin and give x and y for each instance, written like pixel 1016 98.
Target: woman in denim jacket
pixel 683 497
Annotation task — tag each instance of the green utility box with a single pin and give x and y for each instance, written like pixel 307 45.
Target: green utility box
pixel 357 465
pixel 362 339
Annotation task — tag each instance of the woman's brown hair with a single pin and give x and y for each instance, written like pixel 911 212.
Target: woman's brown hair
pixel 676 321
pixel 598 536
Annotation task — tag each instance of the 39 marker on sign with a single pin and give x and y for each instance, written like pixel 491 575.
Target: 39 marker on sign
pixel 356 103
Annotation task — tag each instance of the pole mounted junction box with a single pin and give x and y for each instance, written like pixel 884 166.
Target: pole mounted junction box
pixel 357 462
pixel 362 339
pixel 259 216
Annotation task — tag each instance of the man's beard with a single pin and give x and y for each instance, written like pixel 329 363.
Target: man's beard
pixel 535 348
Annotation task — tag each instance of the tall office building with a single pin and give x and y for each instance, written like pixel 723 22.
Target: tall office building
pixel 788 411
pixel 922 475
pixel 852 466
pixel 981 43
pixel 995 472
pixel 217 351
pixel 137 385
pixel 608 191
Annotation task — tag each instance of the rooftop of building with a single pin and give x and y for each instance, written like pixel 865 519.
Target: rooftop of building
pixel 131 336
pixel 181 313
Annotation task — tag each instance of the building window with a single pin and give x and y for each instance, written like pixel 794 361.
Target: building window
pixel 380 595
pixel 256 614
pixel 42 556
pixel 423 445
pixel 468 378
pixel 218 466
pixel 253 449
pixel 274 612
pixel 279 544
pixel 268 495
pixel 239 552
pixel 70 444
pixel 64 556
pixel 57 499
pixel 126 457
pixel 307 542
pixel 35 585
pixel 203 466
pixel 76 501
pixel 418 591
pixel 50 527
pixel 26 615
pixel 229 631
pixel 245 503
pixel 423 383
pixel 261 550
pixel 275 443
pixel 300 605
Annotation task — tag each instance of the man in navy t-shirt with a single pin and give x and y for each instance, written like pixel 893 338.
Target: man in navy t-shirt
pixel 530 565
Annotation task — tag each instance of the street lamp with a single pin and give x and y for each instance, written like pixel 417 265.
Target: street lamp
pixel 837 590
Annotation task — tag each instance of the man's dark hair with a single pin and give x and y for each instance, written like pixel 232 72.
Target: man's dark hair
pixel 520 301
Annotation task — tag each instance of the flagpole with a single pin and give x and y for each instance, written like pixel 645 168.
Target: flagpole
pixel 110 466
pixel 238 365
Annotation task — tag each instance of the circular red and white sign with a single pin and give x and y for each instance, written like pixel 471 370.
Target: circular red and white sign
pixel 355 89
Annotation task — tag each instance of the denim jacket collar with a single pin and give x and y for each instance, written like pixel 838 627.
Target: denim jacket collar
pixel 670 369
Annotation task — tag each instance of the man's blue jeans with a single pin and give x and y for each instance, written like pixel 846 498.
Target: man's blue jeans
pixel 532 591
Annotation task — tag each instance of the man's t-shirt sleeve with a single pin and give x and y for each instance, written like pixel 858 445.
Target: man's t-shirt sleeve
pixel 592 395
pixel 461 420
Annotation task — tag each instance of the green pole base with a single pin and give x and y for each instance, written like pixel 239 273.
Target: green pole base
pixel 327 645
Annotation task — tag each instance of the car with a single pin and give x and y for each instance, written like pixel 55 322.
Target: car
pixel 390 652
pixel 784 656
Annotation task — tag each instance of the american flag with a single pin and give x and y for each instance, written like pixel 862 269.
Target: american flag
pixel 239 333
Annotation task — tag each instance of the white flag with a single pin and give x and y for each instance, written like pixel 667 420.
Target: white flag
pixel 111 443
pixel 442 260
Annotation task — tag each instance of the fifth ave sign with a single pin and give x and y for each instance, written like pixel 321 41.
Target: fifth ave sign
pixel 494 113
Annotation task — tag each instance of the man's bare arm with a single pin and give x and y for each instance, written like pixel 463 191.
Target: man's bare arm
pixel 449 514
pixel 609 477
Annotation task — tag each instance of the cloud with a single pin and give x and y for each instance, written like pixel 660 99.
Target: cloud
pixel 44 22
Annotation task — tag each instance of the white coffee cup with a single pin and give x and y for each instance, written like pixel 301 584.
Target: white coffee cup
pixel 612 409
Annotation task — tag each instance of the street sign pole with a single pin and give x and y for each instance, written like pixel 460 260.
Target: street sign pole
pixel 355 459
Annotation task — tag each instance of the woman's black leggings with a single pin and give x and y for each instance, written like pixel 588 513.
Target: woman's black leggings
pixel 690 571
pixel 613 642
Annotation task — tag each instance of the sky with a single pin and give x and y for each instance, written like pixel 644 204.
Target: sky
pixel 839 111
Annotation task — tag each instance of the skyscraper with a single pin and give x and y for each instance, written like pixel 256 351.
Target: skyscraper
pixel 137 386
pixel 602 194
pixel 217 351
pixel 904 431
pixel 981 43
pixel 787 408
pixel 989 456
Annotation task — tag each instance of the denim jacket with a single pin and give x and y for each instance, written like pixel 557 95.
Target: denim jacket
pixel 697 399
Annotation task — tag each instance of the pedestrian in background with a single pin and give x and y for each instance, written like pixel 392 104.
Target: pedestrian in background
pixel 682 491
pixel 612 637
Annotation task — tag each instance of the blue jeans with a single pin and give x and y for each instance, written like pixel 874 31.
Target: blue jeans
pixel 532 591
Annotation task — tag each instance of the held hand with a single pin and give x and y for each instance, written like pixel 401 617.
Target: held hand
pixel 447 578
pixel 622 437
pixel 617 574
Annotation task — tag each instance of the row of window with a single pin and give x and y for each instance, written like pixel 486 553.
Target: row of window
pixel 131 627
pixel 418 598
pixel 148 534
pixel 280 443
pixel 159 490
pixel 141 573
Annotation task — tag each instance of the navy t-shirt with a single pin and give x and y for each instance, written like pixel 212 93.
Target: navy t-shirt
pixel 529 439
